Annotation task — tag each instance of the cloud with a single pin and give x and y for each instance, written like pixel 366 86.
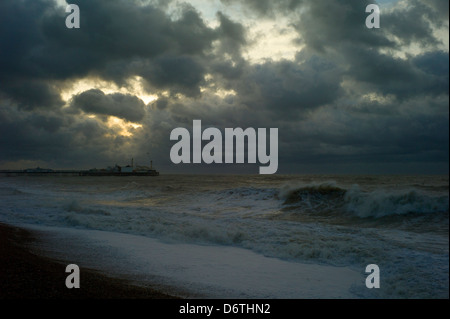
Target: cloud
pixel 59 138
pixel 414 22
pixel 350 95
pixel 289 89
pixel 232 35
pixel 31 94
pixel 123 106
pixel 115 40
pixel 439 6
pixel 328 26
pixel 178 74
pixel 403 78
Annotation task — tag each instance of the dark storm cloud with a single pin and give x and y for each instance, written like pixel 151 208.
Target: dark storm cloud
pixel 414 23
pixel 439 6
pixel 178 73
pixel 30 135
pixel 403 78
pixel 332 25
pixel 123 106
pixel 59 138
pixel 345 98
pixel 19 35
pixel 289 89
pixel 232 35
pixel 407 132
pixel 327 26
pixel 134 40
pixel 325 23
pixel 31 94
pixel 19 41
pixel 115 30
pixel 337 30
pixel 435 63
pixel 116 39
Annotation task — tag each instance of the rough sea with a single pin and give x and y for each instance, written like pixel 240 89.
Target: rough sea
pixel 278 236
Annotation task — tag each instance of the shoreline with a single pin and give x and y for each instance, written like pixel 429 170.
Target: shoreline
pixel 26 275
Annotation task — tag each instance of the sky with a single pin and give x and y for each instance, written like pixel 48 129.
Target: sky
pixel 345 99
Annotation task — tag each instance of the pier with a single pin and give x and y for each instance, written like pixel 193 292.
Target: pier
pixel 50 172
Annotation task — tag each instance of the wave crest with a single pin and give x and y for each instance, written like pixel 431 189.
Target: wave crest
pixel 312 192
pixel 380 203
pixel 75 207
pixel 328 197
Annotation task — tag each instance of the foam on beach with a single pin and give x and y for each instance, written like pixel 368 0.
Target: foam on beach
pixel 196 270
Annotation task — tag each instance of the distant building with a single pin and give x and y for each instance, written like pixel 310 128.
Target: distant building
pixel 127 169
pixel 38 170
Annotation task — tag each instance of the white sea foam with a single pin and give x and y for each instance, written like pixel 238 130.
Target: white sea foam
pixel 198 270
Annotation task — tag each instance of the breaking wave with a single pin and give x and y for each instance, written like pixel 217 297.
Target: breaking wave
pixel 328 197
pixel 313 193
pixel 10 191
pixel 75 207
pixel 382 203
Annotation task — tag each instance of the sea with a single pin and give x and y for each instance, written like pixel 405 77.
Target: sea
pixel 245 236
